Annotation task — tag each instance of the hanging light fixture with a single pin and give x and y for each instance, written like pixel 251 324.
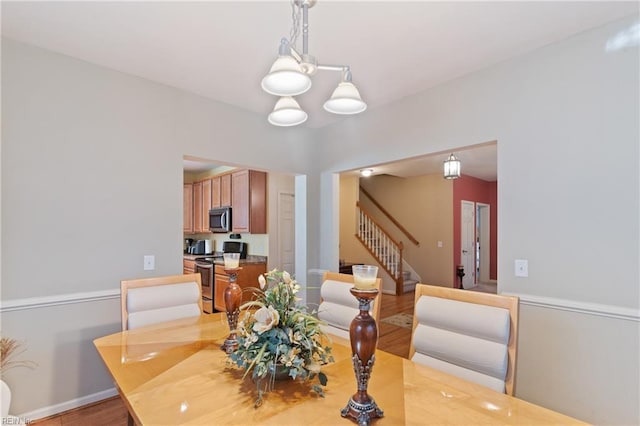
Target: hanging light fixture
pixel 287 112
pixel 452 167
pixel 290 75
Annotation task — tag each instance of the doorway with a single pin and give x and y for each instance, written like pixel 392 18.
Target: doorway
pixel 286 230
pixel 468 243
pixel 483 242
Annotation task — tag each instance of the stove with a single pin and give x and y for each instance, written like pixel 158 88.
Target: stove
pixel 205 267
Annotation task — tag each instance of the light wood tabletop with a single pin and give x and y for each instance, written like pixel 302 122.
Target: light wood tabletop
pixel 175 373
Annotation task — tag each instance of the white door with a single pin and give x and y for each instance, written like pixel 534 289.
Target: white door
pixel 286 231
pixel 467 244
pixel 484 242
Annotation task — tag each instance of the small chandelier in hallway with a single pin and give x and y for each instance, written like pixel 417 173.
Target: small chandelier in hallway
pixel 452 167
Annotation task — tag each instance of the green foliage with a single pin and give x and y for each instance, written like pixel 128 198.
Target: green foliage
pixel 280 334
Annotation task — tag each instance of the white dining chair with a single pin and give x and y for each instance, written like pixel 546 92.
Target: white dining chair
pixel 148 301
pixel 468 334
pixel 338 307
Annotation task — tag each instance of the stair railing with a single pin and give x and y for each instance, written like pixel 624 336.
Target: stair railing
pixel 390 217
pixel 378 242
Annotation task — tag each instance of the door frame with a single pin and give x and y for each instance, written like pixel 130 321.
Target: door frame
pixel 468 245
pixel 483 233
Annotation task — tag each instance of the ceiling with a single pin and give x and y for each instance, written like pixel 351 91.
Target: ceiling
pixel 222 49
pixel 480 161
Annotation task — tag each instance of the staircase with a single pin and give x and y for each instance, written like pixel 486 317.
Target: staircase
pixel 408 283
pixel 386 251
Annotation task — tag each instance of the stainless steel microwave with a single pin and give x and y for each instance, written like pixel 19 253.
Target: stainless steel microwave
pixel 220 219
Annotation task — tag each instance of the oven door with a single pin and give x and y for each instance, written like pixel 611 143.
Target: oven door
pixel 206 271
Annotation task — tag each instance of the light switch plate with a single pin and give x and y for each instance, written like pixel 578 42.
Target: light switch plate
pixel 522 268
pixel 149 262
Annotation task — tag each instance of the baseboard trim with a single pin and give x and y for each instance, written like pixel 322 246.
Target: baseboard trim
pixel 609 311
pixel 52 410
pixel 63 299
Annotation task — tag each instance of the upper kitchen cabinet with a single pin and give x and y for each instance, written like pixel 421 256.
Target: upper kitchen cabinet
pixel 197 207
pixel 206 204
pixel 187 208
pixel 225 190
pixel 215 192
pixel 249 201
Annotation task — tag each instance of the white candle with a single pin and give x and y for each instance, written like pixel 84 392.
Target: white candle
pixel 231 260
pixel 364 276
pixel 364 283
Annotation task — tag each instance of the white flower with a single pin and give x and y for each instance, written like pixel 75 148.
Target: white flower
pixel 250 340
pixel 262 281
pixel 286 277
pixel 266 319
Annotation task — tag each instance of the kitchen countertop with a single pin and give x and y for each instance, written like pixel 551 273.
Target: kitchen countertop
pixel 251 259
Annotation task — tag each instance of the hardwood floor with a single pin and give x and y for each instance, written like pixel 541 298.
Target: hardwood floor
pixel 108 412
pixel 391 338
pixel 112 412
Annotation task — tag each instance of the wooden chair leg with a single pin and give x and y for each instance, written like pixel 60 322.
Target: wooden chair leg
pixel 130 421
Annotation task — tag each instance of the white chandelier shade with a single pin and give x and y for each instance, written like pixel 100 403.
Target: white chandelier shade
pixel 345 100
pixel 287 112
pixel 286 78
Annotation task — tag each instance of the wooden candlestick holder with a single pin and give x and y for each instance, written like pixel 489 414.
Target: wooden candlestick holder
pixel 232 299
pixel 364 338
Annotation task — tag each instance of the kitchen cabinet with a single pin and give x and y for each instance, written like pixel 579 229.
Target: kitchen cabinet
pixel 206 205
pixel 187 208
pixel 225 190
pixel 197 207
pixel 188 266
pixel 249 201
pixel 215 192
pixel 247 278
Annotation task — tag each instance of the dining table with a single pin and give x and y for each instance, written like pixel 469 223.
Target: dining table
pixel 174 373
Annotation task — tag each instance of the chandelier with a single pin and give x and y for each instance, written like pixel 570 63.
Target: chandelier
pixel 452 167
pixel 291 74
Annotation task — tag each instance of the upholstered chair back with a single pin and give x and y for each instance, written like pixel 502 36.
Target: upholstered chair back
pixel 338 307
pixel 152 300
pixel 468 334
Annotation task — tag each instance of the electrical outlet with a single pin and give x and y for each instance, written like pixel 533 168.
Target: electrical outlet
pixel 522 268
pixel 440 244
pixel 149 262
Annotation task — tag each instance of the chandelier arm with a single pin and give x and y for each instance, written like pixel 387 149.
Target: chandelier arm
pixel 333 67
pixel 296 55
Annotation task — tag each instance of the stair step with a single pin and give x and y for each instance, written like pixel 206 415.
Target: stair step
pixel 409 285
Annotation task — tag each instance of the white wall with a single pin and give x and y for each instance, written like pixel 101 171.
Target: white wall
pixel 92 182
pixel 566 119
pixel 89 151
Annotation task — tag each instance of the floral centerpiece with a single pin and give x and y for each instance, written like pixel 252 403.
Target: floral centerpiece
pixel 276 334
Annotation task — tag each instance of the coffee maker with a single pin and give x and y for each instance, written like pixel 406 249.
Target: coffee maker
pixel 202 247
pixel 188 243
